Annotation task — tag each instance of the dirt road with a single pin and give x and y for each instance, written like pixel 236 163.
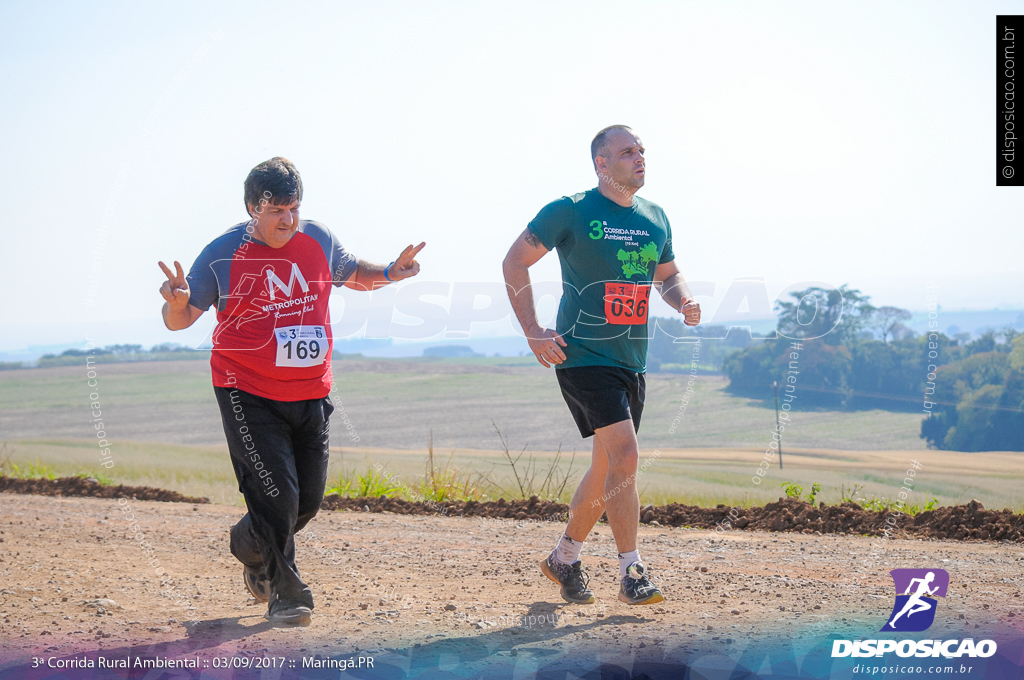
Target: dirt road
pixel 452 592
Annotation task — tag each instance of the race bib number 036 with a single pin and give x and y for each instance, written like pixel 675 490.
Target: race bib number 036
pixel 301 346
pixel 625 304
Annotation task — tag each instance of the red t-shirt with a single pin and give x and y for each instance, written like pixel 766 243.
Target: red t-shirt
pixel 273 335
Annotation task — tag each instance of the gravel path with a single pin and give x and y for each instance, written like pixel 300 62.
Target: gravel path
pixel 446 590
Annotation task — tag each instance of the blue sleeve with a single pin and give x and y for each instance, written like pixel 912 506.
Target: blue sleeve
pixel 211 272
pixel 343 263
pixel 553 224
pixel 202 279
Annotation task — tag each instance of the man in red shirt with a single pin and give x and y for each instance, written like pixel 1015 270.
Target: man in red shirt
pixel 270 278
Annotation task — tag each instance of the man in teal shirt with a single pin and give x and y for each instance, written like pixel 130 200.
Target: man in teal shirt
pixel 613 247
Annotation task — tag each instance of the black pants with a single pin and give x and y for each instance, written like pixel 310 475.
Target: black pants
pixel 279 450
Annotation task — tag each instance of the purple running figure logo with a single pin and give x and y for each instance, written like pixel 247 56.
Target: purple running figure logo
pixel 916 590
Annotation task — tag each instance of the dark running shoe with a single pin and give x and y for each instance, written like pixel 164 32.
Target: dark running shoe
pixel 285 613
pixel 637 588
pixel 572 578
pixel 257 583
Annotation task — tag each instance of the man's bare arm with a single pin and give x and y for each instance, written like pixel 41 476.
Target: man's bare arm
pixel 177 320
pixel 545 343
pixel 524 253
pixel 674 290
pixel 368 275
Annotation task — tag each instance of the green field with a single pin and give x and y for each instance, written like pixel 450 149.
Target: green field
pixel 165 431
pixel 397 404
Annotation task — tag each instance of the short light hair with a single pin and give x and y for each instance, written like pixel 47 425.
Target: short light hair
pixel 599 146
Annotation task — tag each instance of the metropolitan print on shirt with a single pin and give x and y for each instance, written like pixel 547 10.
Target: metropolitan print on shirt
pixel 273 334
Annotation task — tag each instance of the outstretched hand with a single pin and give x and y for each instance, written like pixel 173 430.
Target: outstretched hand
pixel 175 289
pixel 406 264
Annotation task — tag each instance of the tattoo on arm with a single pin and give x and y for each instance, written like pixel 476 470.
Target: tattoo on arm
pixel 532 239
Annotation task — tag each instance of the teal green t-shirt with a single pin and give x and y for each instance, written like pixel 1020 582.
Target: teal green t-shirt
pixel 608 255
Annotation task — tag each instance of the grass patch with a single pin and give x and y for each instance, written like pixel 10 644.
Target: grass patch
pixel 371 484
pixel 853 495
pixel 190 470
pixel 29 471
pixel 37 469
pixel 448 483
pixel 552 482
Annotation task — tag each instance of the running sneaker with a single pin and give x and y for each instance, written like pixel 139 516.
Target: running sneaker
pixel 288 613
pixel 637 588
pixel 571 577
pixel 257 583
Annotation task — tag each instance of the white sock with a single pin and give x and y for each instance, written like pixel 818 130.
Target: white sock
pixel 625 560
pixel 568 551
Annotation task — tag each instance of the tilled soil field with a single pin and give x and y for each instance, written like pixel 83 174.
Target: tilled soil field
pixel 971 521
pixel 84 486
pixel 449 591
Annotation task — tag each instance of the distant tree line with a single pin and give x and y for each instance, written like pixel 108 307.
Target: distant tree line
pixel 856 356
pixel 980 399
pixel 113 354
pixel 116 354
pixel 671 347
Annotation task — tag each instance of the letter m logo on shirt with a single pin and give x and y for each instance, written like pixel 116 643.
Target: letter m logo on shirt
pixel 296 275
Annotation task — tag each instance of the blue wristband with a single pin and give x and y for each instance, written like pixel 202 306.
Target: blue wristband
pixel 386 272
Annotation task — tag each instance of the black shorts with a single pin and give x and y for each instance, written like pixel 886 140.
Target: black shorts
pixel 599 396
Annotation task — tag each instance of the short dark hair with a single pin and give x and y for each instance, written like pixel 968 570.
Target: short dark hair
pixel 277 181
pixel 600 143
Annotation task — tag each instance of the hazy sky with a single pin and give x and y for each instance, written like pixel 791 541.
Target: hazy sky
pixel 793 141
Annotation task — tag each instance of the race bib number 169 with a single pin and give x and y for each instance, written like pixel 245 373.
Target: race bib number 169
pixel 301 346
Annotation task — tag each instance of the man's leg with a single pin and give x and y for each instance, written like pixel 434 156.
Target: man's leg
pixel 259 438
pixel 608 403
pixel 312 454
pixel 622 505
pixel 563 566
pixel 621 500
pixel 588 502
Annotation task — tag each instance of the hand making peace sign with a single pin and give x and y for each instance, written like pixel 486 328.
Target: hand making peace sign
pixel 406 264
pixel 175 289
